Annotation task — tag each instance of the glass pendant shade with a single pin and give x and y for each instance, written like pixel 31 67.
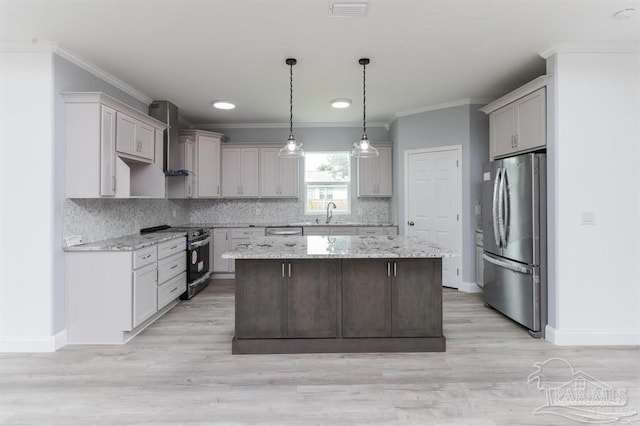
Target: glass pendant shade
pixel 292 149
pixel 364 149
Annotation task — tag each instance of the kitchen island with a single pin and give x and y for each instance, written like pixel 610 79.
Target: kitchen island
pixel 338 294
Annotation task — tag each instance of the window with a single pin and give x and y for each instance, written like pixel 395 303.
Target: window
pixel 326 177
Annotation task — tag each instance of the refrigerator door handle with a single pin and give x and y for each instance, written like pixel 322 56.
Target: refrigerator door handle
pixel 512 266
pixel 501 208
pixel 505 208
pixel 494 213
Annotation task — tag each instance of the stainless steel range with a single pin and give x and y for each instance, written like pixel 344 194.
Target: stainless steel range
pixel 197 257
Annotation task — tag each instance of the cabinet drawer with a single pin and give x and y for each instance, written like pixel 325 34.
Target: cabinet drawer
pixel 172 246
pixel 373 230
pixel 479 239
pixel 247 232
pixel 171 290
pixel 171 266
pixel 144 256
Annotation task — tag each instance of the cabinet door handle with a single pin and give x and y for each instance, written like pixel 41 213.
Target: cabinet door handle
pixel 515 140
pixel 282 269
pixel 146 257
pixel 388 269
pixel 172 247
pixel 410 223
pixel 395 269
pixel 113 183
pixel 289 269
pixel 218 190
pixel 174 267
pixel 174 290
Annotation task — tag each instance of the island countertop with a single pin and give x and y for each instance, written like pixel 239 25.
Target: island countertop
pixel 329 247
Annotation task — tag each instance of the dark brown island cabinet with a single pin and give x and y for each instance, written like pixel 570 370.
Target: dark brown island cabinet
pixel 338 305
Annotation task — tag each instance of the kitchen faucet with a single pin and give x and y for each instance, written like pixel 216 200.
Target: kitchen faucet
pixel 329 212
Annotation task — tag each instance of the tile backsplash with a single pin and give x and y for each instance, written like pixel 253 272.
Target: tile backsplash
pixel 99 219
pixel 369 210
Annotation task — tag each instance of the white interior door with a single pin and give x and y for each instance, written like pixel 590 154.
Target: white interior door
pixel 433 203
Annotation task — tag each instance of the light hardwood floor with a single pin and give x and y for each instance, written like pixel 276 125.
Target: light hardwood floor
pixel 181 371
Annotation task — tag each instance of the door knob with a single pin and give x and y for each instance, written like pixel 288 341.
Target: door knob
pixel 410 223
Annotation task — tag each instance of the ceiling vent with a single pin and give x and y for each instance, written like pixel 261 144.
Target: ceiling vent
pixel 351 9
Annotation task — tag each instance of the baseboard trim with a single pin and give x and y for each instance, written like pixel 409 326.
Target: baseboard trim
pixel 33 344
pixel 469 287
pixel 592 337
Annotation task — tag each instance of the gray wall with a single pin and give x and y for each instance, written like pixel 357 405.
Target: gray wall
pixel 313 138
pixel 462 125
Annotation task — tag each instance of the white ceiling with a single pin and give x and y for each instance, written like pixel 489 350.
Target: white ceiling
pixel 423 52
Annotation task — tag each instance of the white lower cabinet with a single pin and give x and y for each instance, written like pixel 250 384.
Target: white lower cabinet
pixel 226 239
pixel 174 287
pixel 114 295
pixel 144 293
pixel 221 244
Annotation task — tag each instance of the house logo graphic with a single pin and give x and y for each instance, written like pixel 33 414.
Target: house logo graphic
pixel 579 396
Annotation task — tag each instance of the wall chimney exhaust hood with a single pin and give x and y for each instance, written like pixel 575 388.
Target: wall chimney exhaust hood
pixel 167 112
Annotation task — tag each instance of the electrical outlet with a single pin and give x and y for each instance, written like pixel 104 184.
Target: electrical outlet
pixel 174 213
pixel 258 212
pixel 73 240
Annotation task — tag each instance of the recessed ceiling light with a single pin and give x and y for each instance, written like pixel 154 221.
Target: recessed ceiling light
pixel 341 103
pixel 624 13
pixel 223 105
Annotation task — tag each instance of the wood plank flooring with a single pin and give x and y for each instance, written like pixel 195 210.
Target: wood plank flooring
pixel 181 371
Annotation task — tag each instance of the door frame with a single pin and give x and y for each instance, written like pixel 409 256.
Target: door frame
pixel 458 150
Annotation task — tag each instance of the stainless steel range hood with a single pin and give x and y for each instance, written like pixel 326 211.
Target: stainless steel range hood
pixel 167 112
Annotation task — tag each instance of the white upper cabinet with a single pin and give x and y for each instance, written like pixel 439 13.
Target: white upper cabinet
pixel 134 138
pixel 240 172
pixel 375 174
pixel 111 149
pixel 517 121
pixel 278 176
pixel 208 166
pixel 199 154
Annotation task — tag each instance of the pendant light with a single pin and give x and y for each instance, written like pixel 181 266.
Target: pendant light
pixel 292 149
pixel 363 148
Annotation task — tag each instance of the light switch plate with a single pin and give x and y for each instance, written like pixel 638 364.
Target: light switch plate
pixel 589 218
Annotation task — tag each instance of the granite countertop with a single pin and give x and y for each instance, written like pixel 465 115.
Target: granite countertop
pixel 363 246
pixel 127 242
pixel 283 225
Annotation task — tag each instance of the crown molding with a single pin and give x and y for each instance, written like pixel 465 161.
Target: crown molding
pixel 52 47
pixel 452 104
pixel 283 125
pixel 102 74
pixel 605 47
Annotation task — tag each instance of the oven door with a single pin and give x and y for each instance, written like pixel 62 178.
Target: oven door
pixel 197 259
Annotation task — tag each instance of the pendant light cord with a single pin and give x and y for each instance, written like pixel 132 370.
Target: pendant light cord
pixel 364 98
pixel 291 98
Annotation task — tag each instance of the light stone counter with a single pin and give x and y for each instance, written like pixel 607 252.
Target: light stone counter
pixel 127 242
pixel 283 225
pixel 347 247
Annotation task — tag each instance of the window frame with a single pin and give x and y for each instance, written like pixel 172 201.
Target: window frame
pixel 346 184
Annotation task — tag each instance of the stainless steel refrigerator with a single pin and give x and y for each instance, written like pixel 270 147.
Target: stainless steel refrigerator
pixel 515 244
